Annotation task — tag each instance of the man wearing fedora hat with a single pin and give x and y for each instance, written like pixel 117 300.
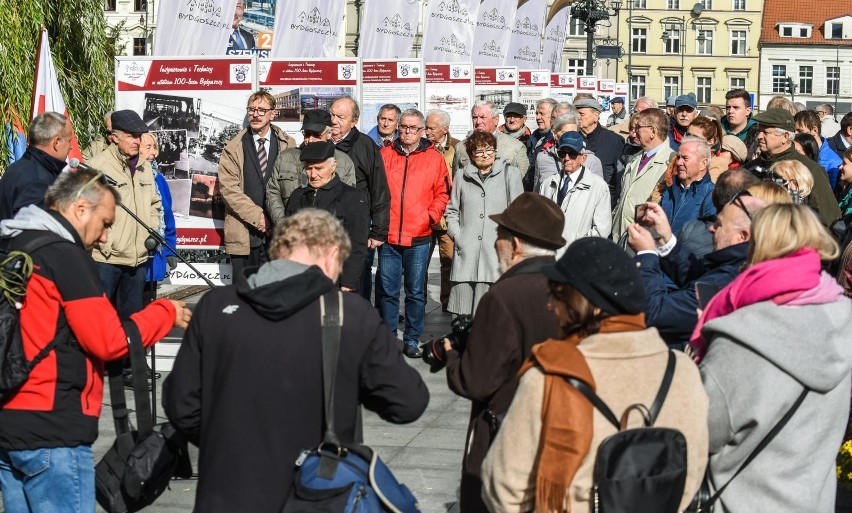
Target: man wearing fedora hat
pixel 511 317
pixel 288 172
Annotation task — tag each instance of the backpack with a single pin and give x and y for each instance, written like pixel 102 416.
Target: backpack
pixel 335 477
pixel 638 470
pixel 16 268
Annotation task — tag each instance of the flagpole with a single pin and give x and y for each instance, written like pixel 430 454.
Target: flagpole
pixel 37 68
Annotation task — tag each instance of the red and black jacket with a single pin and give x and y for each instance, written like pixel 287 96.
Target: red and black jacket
pixel 60 403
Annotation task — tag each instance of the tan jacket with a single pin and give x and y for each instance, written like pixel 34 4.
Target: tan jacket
pixel 98 145
pixel 240 211
pixel 449 153
pixel 636 190
pixel 126 242
pixel 628 368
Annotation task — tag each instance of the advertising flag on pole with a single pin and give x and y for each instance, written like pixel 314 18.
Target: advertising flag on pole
pixel 47 97
pixel 449 29
pixel 194 28
pixel 493 31
pixel 555 29
pixel 388 28
pixel 309 28
pixel 525 45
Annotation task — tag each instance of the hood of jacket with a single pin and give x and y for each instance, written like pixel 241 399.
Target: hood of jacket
pixel 32 217
pixel 423 145
pixel 281 288
pixel 810 343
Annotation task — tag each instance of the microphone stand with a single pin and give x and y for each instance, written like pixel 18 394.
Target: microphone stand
pixel 151 246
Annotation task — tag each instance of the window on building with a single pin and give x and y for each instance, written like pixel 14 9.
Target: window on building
pixel 109 5
pixel 139 5
pixel 795 30
pixel 672 4
pixel 786 31
pixel 739 42
pixel 737 83
pixel 739 5
pixel 836 31
pixel 639 40
pixel 576 66
pixel 832 80
pixel 640 4
pixel 577 27
pixel 779 78
pixel 671 86
pixel 671 41
pixel 804 32
pixel 637 86
pixel 139 46
pixel 806 79
pixel 704 89
pixel 707 4
pixel 704 42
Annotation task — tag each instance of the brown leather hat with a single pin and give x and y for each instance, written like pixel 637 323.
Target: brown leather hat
pixel 534 219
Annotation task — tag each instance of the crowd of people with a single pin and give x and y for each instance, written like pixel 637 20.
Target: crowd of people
pixel 579 250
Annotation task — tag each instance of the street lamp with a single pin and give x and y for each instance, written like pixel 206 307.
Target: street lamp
pixel 592 12
pixel 673 30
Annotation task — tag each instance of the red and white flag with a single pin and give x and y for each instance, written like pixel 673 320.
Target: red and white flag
pixel 46 93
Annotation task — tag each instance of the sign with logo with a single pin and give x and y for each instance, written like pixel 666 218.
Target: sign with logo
pixel 498 84
pixel 449 87
pixel 194 27
pixel 388 29
pixel 525 45
pixel 563 86
pixel 311 28
pixel 493 31
pixel 219 274
pixel 193 106
pixel 533 85
pixel 396 81
pixel 305 84
pixel 587 84
pixel 449 30
pixel 555 30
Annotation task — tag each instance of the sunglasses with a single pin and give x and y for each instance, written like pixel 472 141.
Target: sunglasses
pixel 98 178
pixel 570 154
pixel 737 200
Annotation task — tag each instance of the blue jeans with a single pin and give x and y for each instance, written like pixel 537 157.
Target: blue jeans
pixel 57 480
pixel 398 264
pixel 123 286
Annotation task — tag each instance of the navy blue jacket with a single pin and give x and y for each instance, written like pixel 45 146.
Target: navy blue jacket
pixel 683 205
pixel 836 144
pixel 670 286
pixel 26 181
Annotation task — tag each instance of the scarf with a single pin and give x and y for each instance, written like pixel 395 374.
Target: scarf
pixel 795 279
pixel 566 415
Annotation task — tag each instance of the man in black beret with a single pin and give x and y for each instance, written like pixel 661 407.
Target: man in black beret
pixel 511 317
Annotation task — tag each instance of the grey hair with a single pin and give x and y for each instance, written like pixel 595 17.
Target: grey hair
pixel 828 109
pixel 311 228
pixel 389 106
pixel 45 127
pixel 414 113
pixel 442 116
pixel 545 101
pixel 650 102
pixel 531 250
pixel 565 106
pixel 703 148
pixel 790 134
pixel 564 119
pixel 488 104
pixel 81 184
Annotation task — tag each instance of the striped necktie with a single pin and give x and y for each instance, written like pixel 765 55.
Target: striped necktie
pixel 261 156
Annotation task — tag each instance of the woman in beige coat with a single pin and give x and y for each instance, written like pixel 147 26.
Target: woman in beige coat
pixel 544 453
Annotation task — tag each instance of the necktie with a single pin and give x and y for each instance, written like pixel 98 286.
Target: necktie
pixel 238 39
pixel 643 162
pixel 563 191
pixel 388 142
pixel 261 156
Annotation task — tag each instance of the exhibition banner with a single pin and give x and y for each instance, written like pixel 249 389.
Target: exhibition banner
pixel 497 84
pixel 193 106
pixel 563 86
pixel 606 90
pixel 397 81
pixel 493 31
pixel 311 28
pixel 448 30
pixel 622 89
pixel 198 28
pixel 533 85
pixel 303 84
pixel 525 45
pixel 555 30
pixel 588 84
pixel 449 87
pixel 388 28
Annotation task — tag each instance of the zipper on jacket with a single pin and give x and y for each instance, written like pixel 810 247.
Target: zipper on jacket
pixel 358 496
pixel 402 199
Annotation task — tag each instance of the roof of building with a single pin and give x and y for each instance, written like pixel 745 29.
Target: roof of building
pixel 784 11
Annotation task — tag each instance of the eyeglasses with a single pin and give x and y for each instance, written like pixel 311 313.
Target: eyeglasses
pixel 408 128
pixel 484 152
pixel 570 154
pixel 99 177
pixel 255 110
pixel 737 200
pixel 637 127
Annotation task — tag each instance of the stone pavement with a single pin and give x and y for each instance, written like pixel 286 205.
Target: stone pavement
pixel 425 455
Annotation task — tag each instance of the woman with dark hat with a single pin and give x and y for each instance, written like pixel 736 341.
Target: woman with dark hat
pixel 544 453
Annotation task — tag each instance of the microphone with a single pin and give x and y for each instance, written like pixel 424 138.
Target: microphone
pixel 75 162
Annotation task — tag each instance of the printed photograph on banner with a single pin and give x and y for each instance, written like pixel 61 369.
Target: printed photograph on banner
pixel 167 112
pixel 206 199
pixel 497 84
pixel 174 151
pixel 399 82
pixel 533 85
pixel 288 106
pixel 252 29
pixel 449 87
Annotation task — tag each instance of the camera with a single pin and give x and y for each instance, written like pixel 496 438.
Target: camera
pixel 433 351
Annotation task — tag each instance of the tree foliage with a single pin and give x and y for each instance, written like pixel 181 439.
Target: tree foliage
pixel 83 54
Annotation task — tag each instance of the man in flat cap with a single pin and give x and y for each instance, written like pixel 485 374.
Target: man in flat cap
pixel 619 113
pixel 121 261
pixel 288 173
pixel 775 131
pixel 326 191
pixel 511 317
pixel 515 115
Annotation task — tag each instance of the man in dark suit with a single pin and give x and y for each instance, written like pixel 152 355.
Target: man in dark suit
pixel 241 39
pixel 842 139
pixel 244 169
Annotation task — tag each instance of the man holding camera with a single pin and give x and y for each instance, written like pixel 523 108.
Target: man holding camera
pixel 511 317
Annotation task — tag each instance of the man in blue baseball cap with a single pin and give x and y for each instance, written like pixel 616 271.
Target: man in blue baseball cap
pixel 686 109
pixel 582 196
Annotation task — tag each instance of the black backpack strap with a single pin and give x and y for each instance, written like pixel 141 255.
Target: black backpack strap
pixel 657 405
pixel 596 401
pixel 763 443
pixel 331 310
pixel 144 419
